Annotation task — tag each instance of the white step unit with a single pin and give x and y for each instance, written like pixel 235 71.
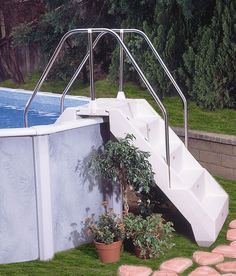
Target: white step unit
pixel 194 192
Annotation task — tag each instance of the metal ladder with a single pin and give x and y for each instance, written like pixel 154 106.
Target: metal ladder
pixel 120 39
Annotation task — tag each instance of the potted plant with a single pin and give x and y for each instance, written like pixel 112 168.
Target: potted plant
pixel 123 163
pixel 151 236
pixel 108 233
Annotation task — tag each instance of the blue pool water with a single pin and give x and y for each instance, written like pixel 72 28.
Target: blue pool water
pixel 44 109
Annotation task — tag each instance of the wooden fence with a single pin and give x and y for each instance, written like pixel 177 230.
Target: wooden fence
pixel 16 63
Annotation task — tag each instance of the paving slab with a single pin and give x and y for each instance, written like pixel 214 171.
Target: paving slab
pixel 231 235
pixel 228 274
pixel 233 243
pixel 232 224
pixel 164 273
pixel 207 258
pixel 177 265
pixel 226 250
pixel 132 270
pixel 204 271
pixel 227 267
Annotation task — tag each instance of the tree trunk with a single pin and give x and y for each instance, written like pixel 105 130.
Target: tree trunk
pixel 9 64
pixel 124 188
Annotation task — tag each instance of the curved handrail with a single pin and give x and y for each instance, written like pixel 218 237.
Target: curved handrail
pixel 78 70
pixel 181 94
pixel 185 104
pixel 134 63
pixel 45 72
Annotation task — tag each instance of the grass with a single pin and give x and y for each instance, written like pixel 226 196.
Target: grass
pixel 219 121
pixel 83 260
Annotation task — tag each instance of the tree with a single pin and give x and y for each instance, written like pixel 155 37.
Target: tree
pixel 163 22
pixel 13 13
pixel 211 60
pixel 58 18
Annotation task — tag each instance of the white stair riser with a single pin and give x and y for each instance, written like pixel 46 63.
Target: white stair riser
pixel 192 189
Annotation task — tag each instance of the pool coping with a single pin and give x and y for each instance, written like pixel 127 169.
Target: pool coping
pixel 49 129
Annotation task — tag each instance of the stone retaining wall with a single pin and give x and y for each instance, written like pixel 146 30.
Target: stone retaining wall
pixel 215 152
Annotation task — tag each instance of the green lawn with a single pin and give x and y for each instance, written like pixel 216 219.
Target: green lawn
pixel 84 261
pixel 220 121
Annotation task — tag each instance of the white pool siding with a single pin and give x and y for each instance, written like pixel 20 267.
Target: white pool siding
pixel 45 194
pixel 18 219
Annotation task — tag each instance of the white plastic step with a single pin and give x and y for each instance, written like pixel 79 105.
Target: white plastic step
pixel 192 174
pixel 192 189
pixel 140 109
pixel 145 125
pixel 215 204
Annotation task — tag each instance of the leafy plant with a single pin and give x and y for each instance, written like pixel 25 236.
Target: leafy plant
pixel 108 229
pixel 123 163
pixel 151 235
pixel 209 62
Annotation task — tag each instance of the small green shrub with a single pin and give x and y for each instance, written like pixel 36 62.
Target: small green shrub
pixel 123 163
pixel 108 229
pixel 151 235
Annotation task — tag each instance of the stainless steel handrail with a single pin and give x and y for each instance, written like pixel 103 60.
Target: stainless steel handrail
pixel 181 94
pixel 78 70
pixel 90 44
pixel 121 75
pixel 122 31
pixel 46 70
pixel 139 71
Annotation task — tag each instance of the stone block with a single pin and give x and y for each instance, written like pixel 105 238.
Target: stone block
pixel 232 224
pixel 229 161
pixel 227 267
pixel 195 153
pixel 207 258
pixel 178 265
pixel 199 144
pixel 226 250
pixel 210 157
pixel 204 271
pixel 164 273
pixel 222 148
pixel 233 244
pixel 132 270
pixel 218 170
pixel 231 235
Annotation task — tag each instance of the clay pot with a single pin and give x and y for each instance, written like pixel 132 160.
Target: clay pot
pixel 109 253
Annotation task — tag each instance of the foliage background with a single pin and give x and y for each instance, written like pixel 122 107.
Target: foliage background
pixel 195 38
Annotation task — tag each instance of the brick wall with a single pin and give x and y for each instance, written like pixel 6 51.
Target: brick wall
pixel 215 152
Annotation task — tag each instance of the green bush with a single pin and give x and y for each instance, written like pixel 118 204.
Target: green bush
pixel 151 235
pixel 122 163
pixel 210 62
pixel 108 229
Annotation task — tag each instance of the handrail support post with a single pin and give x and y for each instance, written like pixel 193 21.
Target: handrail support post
pixel 121 77
pixel 91 71
pixel 186 123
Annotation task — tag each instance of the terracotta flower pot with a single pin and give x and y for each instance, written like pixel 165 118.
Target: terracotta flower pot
pixel 109 253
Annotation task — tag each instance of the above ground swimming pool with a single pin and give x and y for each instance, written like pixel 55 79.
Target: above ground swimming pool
pixel 45 108
pixel 45 191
